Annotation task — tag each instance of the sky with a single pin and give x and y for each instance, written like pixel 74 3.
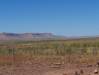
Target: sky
pixel 61 17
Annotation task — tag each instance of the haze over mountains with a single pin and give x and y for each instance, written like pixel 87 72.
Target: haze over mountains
pixel 40 36
pixel 28 36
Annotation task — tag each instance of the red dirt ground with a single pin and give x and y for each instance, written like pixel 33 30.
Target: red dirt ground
pixel 41 68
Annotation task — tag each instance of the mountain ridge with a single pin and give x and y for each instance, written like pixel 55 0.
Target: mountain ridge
pixel 40 36
pixel 28 36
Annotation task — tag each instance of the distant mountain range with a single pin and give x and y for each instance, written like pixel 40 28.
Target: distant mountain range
pixel 40 36
pixel 29 36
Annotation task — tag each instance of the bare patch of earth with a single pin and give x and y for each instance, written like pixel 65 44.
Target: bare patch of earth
pixel 44 69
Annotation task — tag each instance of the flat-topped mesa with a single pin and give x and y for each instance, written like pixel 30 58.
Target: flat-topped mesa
pixel 16 34
pixel 23 36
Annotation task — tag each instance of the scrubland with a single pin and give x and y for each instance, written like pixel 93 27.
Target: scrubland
pixel 48 57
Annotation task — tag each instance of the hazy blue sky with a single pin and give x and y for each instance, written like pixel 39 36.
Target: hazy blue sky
pixel 63 17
